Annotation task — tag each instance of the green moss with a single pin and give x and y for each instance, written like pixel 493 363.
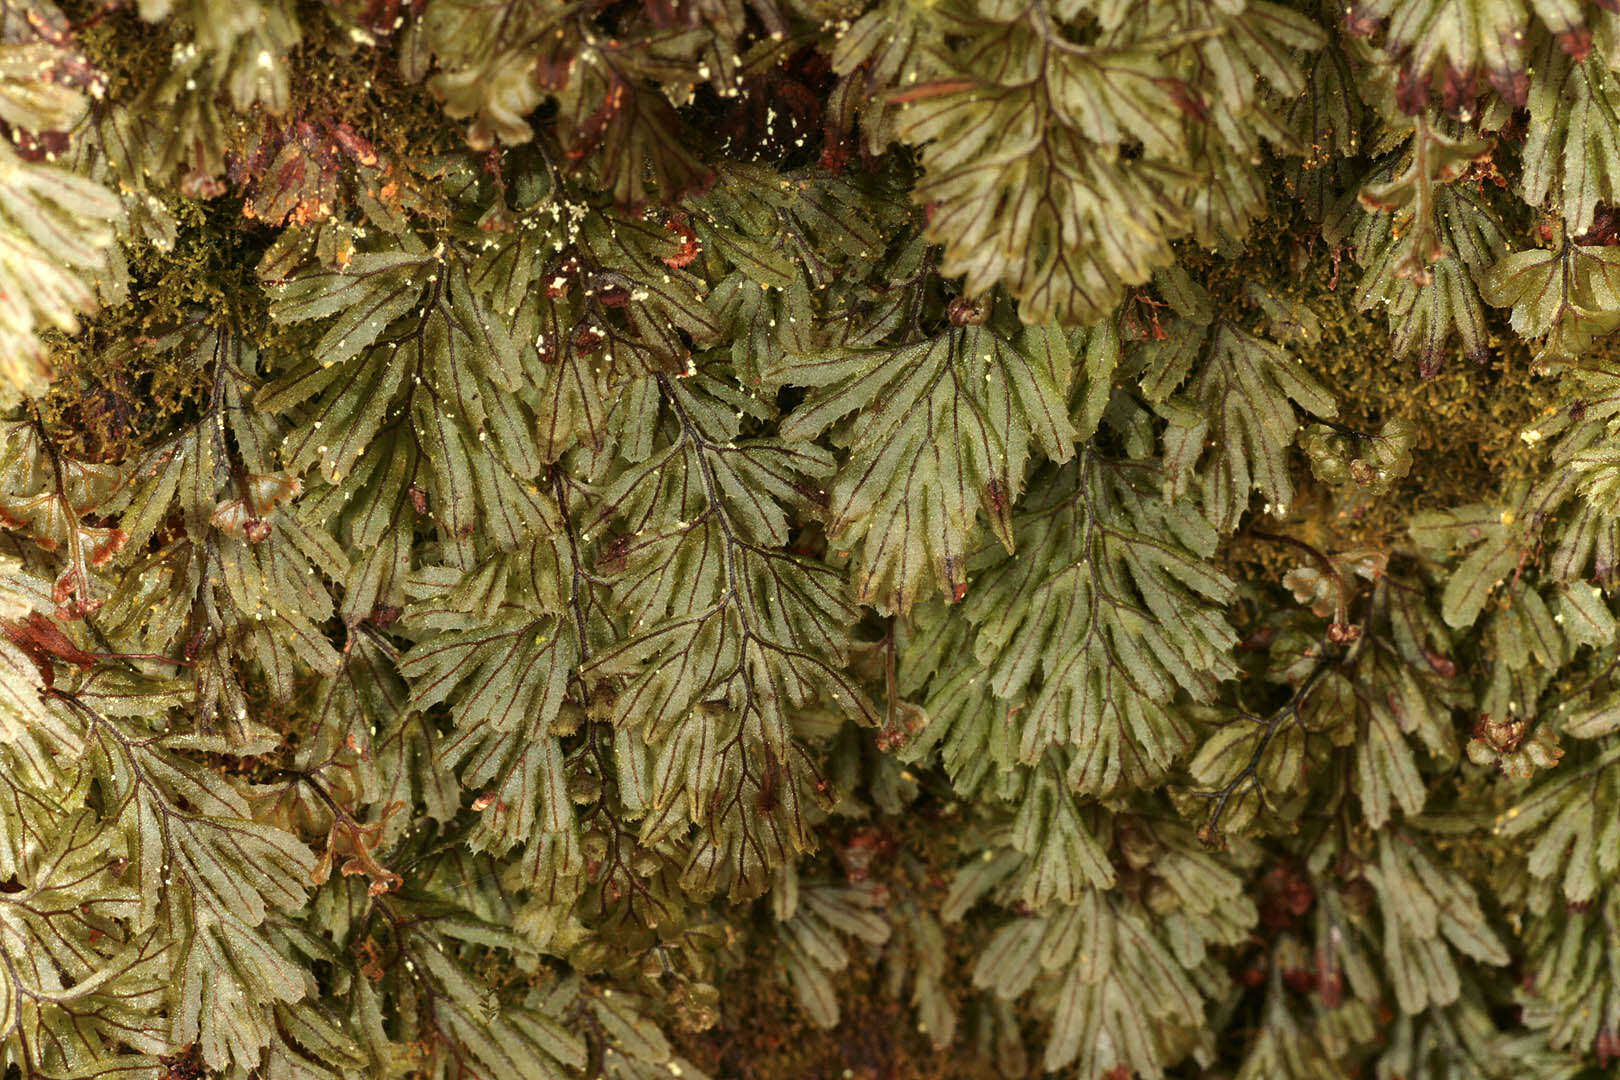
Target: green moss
pixel 1468 418
pixel 113 392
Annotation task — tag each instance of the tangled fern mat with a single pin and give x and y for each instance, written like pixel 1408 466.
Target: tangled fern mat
pixel 775 539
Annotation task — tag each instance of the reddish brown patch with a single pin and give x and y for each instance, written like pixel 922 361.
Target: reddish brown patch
pixel 1286 893
pixel 43 642
pixel 690 246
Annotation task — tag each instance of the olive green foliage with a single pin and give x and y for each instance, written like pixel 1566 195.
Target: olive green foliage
pixel 519 513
